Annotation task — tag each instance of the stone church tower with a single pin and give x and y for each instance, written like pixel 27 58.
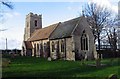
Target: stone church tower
pixel 33 22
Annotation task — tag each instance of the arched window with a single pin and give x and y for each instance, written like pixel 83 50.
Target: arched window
pixel 84 41
pixel 62 46
pixel 34 49
pixel 37 47
pixel 41 49
pixel 53 46
pixel 45 46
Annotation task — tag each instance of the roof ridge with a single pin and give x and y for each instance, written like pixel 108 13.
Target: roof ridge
pixel 49 26
pixel 54 29
pixel 76 25
pixel 70 20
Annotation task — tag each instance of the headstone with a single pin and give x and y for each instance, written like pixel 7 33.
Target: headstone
pixel 98 63
pixel 95 52
pixel 101 56
pixel 49 58
pixel 112 76
pixel 5 62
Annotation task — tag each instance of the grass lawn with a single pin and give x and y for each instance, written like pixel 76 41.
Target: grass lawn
pixel 39 67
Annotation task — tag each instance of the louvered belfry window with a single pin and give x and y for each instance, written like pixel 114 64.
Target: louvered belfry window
pixel 36 23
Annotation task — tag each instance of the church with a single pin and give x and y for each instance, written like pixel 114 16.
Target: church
pixel 68 40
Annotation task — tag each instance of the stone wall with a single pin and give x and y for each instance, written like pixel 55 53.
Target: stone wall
pixel 40 51
pixel 23 52
pixel 70 54
pixel 57 53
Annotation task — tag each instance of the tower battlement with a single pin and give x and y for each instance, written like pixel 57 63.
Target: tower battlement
pixel 33 15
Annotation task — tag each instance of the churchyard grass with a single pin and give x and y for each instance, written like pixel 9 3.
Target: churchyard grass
pixel 40 67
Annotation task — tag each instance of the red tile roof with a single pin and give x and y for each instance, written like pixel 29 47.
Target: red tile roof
pixel 43 33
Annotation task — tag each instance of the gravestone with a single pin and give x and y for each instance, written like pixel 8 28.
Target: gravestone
pixel 49 59
pixel 112 76
pixel 98 62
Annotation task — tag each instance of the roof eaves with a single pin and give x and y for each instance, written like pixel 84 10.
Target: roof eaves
pixel 39 39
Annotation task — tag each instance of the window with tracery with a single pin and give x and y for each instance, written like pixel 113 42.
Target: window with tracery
pixel 84 41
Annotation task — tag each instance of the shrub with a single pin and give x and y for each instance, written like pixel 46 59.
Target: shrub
pixel 5 62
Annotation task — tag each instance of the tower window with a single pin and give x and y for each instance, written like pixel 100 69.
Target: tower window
pixel 35 22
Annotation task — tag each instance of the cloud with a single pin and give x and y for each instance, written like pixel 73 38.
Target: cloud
pixel 14 36
pixel 8 15
pixel 69 8
pixel 11 43
pixel 11 14
pixel 115 9
pixel 106 3
pixel 16 13
pixel 48 0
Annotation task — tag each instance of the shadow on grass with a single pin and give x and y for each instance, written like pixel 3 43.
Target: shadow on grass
pixel 67 72
pixel 54 69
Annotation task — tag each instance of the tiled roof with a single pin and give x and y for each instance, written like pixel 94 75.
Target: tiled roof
pixel 65 29
pixel 28 44
pixel 43 33
pixel 55 31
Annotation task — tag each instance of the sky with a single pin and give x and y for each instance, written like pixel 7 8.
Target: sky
pixel 53 11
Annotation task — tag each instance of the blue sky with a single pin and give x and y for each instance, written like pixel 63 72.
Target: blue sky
pixel 52 12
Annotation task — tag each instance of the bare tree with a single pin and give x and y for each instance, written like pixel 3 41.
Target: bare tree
pixel 111 32
pixel 6 3
pixel 97 18
pixel 112 38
